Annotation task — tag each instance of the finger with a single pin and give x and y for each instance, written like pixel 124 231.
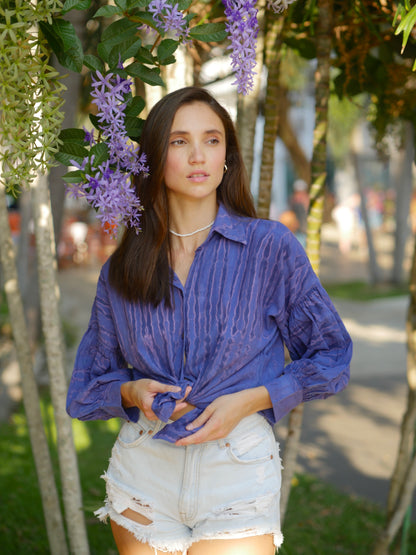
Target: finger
pixel 159 387
pixel 208 433
pixel 179 406
pixel 200 420
pixel 187 391
pixel 197 437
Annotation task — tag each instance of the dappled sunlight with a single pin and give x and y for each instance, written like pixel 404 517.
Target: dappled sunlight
pixel 355 434
pixel 376 333
pixel 82 435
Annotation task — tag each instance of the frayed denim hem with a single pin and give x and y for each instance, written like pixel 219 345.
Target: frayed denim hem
pixel 142 532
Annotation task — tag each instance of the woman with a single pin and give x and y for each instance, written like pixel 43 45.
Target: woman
pixel 185 343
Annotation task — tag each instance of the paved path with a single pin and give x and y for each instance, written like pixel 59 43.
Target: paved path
pixel 351 439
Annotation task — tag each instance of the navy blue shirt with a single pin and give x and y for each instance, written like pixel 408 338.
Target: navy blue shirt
pixel 250 291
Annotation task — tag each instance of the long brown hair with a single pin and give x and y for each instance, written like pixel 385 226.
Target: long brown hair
pixel 139 268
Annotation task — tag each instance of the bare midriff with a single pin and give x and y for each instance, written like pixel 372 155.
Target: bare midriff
pixel 180 413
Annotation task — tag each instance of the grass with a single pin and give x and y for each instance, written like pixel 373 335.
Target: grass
pixel 363 291
pixel 320 520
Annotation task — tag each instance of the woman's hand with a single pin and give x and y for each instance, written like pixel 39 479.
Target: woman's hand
pixel 141 393
pixel 222 415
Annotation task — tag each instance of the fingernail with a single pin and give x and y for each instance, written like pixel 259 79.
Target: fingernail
pixel 189 427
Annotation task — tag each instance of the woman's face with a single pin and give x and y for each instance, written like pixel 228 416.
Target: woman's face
pixel 196 154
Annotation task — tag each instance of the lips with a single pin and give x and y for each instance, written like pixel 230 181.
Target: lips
pixel 197 174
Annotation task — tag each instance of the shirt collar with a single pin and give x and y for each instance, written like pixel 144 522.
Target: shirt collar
pixel 231 226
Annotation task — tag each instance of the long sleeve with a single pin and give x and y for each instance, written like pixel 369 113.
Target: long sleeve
pixel 318 343
pixel 100 368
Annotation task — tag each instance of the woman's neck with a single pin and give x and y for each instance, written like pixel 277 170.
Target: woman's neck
pixel 190 224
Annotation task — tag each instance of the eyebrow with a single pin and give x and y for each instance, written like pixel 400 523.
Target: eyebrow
pixel 208 132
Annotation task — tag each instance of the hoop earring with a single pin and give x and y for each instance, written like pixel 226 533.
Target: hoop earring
pixel 225 168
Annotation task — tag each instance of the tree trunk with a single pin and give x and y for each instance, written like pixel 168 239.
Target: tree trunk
pixel 51 325
pixel 41 455
pixel 248 105
pixel 316 209
pixel 403 186
pixel 274 35
pixel 373 267
pixel 286 132
pixel 403 480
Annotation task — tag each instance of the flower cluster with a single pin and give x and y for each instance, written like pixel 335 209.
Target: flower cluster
pixel 169 17
pixel 278 6
pixel 242 28
pixel 107 186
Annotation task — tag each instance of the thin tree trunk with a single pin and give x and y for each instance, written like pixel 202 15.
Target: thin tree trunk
pixel 248 105
pixel 373 267
pixel 404 186
pixel 317 196
pixel 41 455
pixel 286 132
pixel 49 294
pixel 273 41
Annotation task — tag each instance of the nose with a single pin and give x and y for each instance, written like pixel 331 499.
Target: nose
pixel 196 155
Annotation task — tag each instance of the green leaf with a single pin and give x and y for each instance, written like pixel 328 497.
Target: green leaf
pixel 183 4
pixel 148 75
pixel 144 56
pixel 147 19
pixel 209 32
pixel 95 121
pixel 166 48
pixel 71 151
pixel 167 61
pixel 93 63
pixel 122 4
pixel 123 51
pixel 64 42
pixel 134 106
pixel 76 176
pixel 107 11
pixel 134 127
pixel 100 151
pixel 119 30
pixel 75 5
pixel 119 35
pixel 406 25
pixel 72 135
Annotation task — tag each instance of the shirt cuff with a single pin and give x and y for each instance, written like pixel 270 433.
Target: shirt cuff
pixel 285 393
pixel 116 408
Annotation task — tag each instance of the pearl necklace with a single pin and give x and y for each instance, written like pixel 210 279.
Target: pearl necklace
pixel 193 233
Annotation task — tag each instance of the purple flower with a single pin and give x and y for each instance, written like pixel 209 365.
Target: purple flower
pixel 278 6
pixel 242 28
pixel 168 15
pixel 89 136
pixel 108 187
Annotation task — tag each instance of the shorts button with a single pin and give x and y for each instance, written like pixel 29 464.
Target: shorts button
pixel 141 432
pixel 227 444
pixel 271 456
pixel 150 432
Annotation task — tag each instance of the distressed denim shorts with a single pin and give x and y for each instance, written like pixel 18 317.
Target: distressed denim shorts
pixel 228 488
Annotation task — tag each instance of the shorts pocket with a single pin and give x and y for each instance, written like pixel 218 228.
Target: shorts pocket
pixel 133 434
pixel 252 447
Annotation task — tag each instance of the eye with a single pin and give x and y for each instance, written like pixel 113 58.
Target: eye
pixel 213 141
pixel 177 142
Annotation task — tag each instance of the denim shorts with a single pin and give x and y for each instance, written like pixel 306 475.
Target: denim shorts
pixel 228 488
